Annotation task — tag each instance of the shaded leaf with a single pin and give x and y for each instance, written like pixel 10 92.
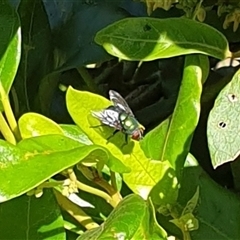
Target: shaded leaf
pixel 131 219
pixel 146 39
pixel 37 53
pixel 187 222
pixel 31 218
pixel 210 212
pixel 47 89
pixel 192 203
pixel 75 25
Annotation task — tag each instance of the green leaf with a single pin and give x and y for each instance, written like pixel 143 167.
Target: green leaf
pixel 35 160
pixel 47 89
pixel 191 204
pixel 131 219
pixel 171 140
pixel 74 26
pixel 187 222
pixel 34 124
pixel 145 173
pixel 76 133
pixel 215 203
pixel 32 218
pixel 76 29
pixel 80 104
pixel 10 45
pixel 223 124
pixel 147 39
pixel 37 53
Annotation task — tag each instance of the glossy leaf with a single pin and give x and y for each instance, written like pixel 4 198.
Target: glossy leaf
pixel 145 173
pixel 10 44
pixel 131 219
pixel 37 159
pixel 32 218
pixel 171 140
pixel 34 124
pixel 75 132
pixel 147 39
pixel 223 124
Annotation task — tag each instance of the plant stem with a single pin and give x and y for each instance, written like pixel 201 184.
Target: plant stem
pixel 15 101
pixel 135 75
pixel 6 131
pixel 71 175
pixel 96 192
pixel 236 54
pixel 88 79
pixel 75 211
pixel 51 184
pixel 186 235
pixel 113 180
pixel 72 228
pixel 9 113
pixel 113 196
pixel 196 10
pixel 11 119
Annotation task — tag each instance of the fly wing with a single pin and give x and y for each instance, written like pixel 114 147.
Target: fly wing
pixel 119 101
pixel 108 117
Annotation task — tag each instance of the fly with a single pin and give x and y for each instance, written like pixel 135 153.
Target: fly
pixel 120 117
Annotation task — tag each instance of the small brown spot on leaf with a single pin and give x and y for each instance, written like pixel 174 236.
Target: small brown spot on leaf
pixel 222 125
pixel 232 97
pixel 147 28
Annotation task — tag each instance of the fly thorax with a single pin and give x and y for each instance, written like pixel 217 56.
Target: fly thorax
pixel 123 116
pixel 129 123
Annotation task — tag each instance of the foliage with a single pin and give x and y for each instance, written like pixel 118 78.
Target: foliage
pixel 61 176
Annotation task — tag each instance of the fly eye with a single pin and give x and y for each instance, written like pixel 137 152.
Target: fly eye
pixel 136 135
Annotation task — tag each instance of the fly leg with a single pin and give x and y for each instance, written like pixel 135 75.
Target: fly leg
pixel 97 126
pixel 126 141
pixel 112 135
